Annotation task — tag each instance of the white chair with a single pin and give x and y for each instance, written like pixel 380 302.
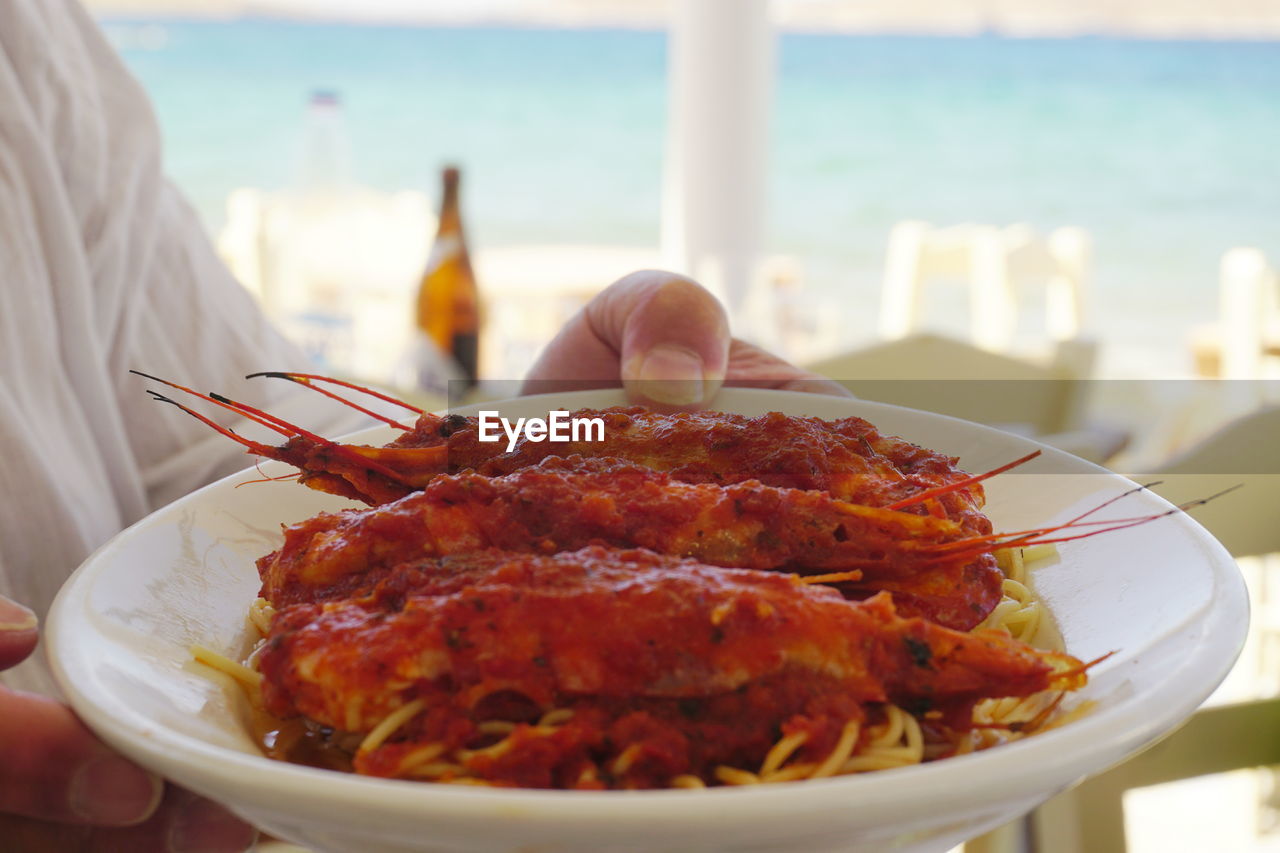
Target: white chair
pixel 996 264
pixel 1247 334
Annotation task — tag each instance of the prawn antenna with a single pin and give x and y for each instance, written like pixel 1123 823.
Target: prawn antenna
pixel 974 546
pixel 256 447
pixel 948 488
pixel 312 380
pixel 271 422
pixel 262 418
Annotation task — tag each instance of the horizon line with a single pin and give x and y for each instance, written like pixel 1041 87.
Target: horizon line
pixel 1250 32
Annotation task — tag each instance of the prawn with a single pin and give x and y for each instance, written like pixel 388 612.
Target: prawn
pixel 566 503
pixel 658 667
pixel 848 457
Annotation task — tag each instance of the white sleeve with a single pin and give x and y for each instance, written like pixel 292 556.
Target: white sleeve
pixel 103 268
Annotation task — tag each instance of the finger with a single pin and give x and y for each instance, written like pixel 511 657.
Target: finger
pixel 750 366
pixel 37 836
pixel 665 336
pixel 53 768
pixel 18 632
pixel 184 823
pixel 674 339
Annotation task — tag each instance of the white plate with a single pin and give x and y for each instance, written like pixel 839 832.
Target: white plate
pixel 1165 597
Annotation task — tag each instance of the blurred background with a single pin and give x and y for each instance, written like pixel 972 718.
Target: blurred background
pixel 1082 198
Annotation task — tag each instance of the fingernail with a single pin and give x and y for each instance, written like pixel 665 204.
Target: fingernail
pixel 206 827
pixel 14 618
pixel 111 790
pixel 671 375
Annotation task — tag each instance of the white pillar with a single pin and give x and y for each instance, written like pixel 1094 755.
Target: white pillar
pixel 720 79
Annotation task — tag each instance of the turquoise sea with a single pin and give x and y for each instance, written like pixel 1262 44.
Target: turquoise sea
pixel 1167 152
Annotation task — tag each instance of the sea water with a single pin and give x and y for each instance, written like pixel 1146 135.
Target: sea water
pixel 1168 153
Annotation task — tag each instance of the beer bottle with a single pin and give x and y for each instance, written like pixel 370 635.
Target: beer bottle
pixel 448 301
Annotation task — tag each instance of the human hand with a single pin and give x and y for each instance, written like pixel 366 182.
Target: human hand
pixel 62 790
pixel 667 339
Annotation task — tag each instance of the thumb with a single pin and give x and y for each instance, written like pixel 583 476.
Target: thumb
pixel 18 632
pixel 665 336
pixel 673 341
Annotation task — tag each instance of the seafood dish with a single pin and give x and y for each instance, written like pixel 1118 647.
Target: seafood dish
pixel 693 600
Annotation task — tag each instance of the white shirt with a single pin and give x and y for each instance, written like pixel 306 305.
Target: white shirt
pixel 104 267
